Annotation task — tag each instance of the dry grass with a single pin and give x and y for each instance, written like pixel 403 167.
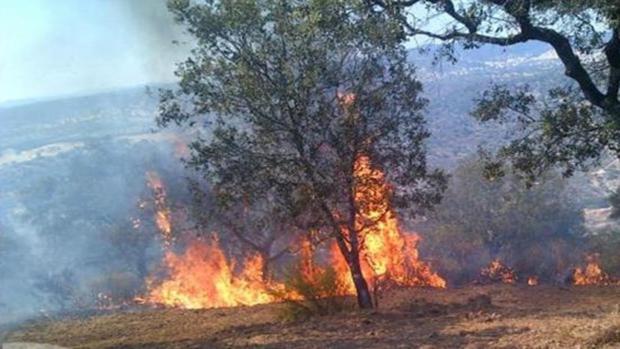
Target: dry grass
pixel 497 316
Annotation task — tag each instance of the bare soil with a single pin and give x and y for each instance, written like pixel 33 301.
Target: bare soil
pixel 493 316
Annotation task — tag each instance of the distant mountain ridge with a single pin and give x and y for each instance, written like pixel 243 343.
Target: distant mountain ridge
pixel 93 150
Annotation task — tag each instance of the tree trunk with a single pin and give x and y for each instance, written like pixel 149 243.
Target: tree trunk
pixel 352 257
pixel 364 300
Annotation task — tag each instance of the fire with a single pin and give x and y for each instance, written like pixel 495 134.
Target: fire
pixel 592 274
pixel 202 277
pixel 387 253
pixel 498 272
pixel 162 212
pixel 532 280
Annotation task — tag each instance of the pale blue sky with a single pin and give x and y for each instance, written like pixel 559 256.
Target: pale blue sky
pixel 51 48
pixel 63 47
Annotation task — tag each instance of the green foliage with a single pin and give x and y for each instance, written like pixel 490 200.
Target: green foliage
pixel 321 294
pixel 569 126
pixel 530 228
pixel 288 95
pixel 562 129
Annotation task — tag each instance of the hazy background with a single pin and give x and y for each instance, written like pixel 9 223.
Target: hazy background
pixel 65 47
pixel 77 138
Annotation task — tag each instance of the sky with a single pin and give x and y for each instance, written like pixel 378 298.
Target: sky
pixel 54 48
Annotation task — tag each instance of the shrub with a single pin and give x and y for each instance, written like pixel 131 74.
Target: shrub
pixel 313 292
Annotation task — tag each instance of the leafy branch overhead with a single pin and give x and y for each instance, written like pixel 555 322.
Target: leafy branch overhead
pixel 572 125
pixel 296 95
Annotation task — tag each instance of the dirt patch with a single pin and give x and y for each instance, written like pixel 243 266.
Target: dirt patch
pixel 493 316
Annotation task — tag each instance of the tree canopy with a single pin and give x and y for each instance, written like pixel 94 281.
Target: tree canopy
pixel 571 125
pixel 292 97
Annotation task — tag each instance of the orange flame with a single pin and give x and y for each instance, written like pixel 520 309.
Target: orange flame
pixel 387 253
pixel 592 274
pixel 532 280
pixel 162 212
pixel 498 271
pixel 203 277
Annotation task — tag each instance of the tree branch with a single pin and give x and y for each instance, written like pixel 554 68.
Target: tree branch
pixel 612 52
pixel 520 11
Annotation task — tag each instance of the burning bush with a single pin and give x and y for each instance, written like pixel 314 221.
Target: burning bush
pixel 313 291
pixel 497 271
pixel 204 277
pixel 353 120
pixel 592 273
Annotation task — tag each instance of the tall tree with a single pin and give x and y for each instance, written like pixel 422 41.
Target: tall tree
pixel 572 125
pixel 291 96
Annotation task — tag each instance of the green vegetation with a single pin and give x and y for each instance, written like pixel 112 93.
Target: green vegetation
pixel 294 94
pixel 571 125
pixel 536 229
pixel 322 293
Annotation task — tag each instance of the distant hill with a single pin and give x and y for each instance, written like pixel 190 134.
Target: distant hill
pixel 452 88
pixel 91 154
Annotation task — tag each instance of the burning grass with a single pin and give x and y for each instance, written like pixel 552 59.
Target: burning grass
pixel 497 271
pixel 203 277
pixel 592 273
pixel 496 316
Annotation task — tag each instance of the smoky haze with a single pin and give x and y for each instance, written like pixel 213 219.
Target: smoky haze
pixel 67 221
pixel 63 215
pixel 75 47
pixel 76 215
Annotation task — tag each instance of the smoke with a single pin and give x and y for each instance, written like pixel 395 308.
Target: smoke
pixel 69 234
pixel 75 47
pixel 72 172
pixel 163 42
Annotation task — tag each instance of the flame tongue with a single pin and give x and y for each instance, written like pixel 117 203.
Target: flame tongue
pixel 203 277
pixel 592 274
pixel 162 212
pixel 387 253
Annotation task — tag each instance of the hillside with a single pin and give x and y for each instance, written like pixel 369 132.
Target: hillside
pixel 500 316
pixel 73 169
